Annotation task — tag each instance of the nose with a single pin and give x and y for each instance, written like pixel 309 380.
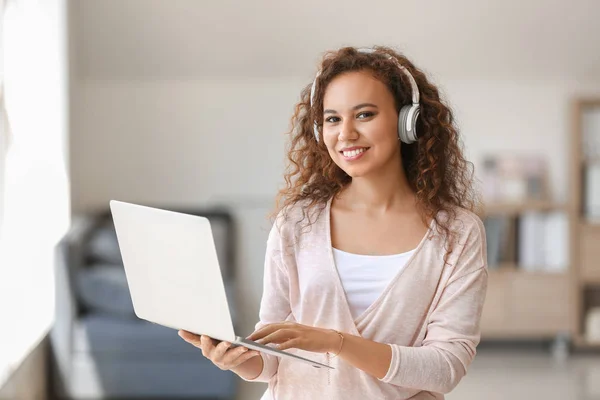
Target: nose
pixel 347 131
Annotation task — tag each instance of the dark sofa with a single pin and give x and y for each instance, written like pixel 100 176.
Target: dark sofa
pixel 100 349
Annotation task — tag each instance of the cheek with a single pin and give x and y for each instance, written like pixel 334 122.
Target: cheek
pixel 385 143
pixel 333 154
pixel 383 131
pixel 330 142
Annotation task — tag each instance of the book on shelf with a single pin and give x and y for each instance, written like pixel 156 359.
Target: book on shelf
pixel 509 178
pixel 543 241
pixel 500 245
pixel 591 134
pixel 556 254
pixel 592 192
pixel 591 173
pixel 533 241
pixel 494 232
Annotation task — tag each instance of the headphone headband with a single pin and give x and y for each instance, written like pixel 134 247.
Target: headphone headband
pixel 367 50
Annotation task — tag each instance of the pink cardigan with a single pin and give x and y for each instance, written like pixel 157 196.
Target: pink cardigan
pixel 429 314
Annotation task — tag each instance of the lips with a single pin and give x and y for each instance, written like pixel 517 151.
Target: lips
pixel 353 151
pixel 352 154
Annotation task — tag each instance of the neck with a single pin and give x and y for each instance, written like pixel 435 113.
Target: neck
pixel 381 191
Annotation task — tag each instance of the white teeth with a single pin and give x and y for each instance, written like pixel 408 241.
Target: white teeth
pixel 353 153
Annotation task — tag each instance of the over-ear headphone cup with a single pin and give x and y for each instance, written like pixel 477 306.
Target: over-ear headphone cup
pixel 402 132
pixel 316 131
pixel 407 131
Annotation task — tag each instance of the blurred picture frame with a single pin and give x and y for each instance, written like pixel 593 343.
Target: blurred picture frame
pixel 515 178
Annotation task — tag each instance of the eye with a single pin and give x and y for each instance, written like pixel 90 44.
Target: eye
pixel 365 114
pixel 332 119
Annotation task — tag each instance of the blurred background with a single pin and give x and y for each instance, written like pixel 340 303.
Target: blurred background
pixel 184 105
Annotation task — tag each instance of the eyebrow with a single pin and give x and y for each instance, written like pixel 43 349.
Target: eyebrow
pixel 357 107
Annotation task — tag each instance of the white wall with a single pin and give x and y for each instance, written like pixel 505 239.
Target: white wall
pixel 178 141
pixel 136 39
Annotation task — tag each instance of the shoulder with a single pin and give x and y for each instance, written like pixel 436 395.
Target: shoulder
pixel 467 240
pixel 298 220
pixel 467 224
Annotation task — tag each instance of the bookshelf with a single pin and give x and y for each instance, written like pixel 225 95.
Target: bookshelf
pixel 536 302
pixel 585 214
pixel 525 302
pixel 516 209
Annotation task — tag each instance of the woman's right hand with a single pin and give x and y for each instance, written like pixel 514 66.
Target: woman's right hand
pixel 221 354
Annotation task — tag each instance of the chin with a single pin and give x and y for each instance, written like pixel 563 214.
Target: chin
pixel 356 172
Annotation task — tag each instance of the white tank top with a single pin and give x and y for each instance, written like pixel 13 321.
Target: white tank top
pixel 365 277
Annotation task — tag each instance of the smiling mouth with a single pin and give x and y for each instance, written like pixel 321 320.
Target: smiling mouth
pixel 354 153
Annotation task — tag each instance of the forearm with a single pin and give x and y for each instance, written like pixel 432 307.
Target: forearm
pixel 376 359
pixel 436 367
pixel 371 357
pixel 250 369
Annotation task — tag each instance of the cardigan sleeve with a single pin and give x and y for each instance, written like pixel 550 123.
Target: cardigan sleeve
pixel 453 330
pixel 275 303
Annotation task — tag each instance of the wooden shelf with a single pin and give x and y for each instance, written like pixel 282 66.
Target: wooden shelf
pixel 518 333
pixel 589 253
pixel 542 304
pixel 588 102
pixel 582 344
pixel 510 208
pixel 503 268
pixel 585 235
pixel 523 304
pixel 510 268
pixel 591 225
pixel 589 281
pixel 590 161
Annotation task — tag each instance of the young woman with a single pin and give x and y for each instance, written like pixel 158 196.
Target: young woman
pixel 376 262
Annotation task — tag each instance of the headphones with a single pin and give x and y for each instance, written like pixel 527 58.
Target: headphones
pixel 407 118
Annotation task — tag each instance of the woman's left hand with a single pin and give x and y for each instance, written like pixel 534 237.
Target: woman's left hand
pixel 289 335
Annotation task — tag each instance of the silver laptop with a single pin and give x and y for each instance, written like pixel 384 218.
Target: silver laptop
pixel 174 276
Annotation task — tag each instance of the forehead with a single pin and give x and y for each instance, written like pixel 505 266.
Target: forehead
pixel 351 88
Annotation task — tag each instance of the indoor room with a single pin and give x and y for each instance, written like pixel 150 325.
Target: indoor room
pixel 192 107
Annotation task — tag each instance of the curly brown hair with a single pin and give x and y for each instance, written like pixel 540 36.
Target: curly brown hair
pixel 435 167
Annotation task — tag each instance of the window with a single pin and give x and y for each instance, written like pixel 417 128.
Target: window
pixel 3 117
pixel 34 182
